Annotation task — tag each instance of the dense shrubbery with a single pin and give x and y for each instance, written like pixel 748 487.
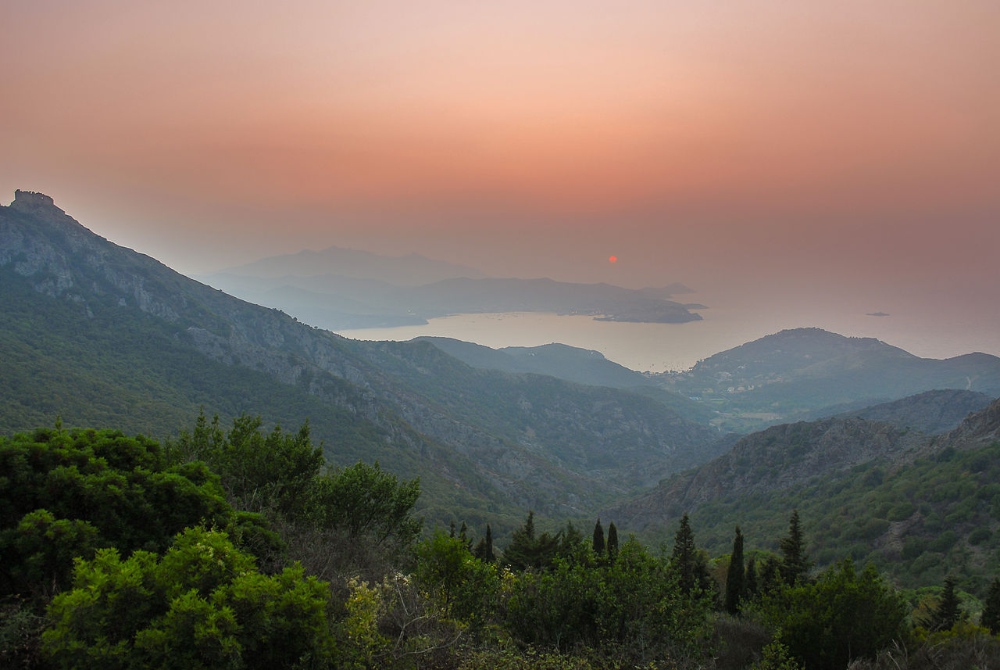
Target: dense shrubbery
pixel 240 549
pixel 202 605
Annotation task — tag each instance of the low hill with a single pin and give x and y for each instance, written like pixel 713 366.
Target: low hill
pixel 805 372
pixel 918 506
pixel 932 412
pixel 555 360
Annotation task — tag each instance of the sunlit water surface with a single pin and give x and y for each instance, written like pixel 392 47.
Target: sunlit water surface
pixel 930 333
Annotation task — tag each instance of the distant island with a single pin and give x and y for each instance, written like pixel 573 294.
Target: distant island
pixel 339 289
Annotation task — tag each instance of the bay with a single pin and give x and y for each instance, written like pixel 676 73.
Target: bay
pixel 940 331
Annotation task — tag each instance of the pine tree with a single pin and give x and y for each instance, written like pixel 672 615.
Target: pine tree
pixel 948 613
pixel 527 551
pixel 684 558
pixel 612 542
pixel 735 576
pixel 991 610
pixel 795 562
pixel 598 539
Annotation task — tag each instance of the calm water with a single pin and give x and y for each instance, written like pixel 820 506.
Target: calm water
pixel 928 332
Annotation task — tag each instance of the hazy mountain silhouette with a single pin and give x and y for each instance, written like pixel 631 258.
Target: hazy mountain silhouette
pixel 100 335
pixel 809 372
pixel 342 289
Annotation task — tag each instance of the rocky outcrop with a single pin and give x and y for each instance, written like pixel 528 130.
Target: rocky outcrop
pixel 978 429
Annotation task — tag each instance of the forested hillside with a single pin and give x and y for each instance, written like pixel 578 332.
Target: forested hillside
pixel 238 548
pixel 99 335
pixel 917 506
pixel 433 513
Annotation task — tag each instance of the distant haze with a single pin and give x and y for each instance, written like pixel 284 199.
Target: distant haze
pixel 758 150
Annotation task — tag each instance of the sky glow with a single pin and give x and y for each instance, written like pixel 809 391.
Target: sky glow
pixel 851 145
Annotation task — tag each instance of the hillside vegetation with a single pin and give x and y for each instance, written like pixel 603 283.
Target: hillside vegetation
pixel 99 334
pixel 916 506
pixel 807 373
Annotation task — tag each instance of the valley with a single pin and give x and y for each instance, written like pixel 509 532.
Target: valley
pixel 888 459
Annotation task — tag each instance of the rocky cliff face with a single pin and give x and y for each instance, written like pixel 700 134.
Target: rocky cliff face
pixel 978 429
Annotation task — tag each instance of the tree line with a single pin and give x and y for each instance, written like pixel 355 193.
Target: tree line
pixel 238 547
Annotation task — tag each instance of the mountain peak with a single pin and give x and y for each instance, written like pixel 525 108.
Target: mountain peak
pixel 32 202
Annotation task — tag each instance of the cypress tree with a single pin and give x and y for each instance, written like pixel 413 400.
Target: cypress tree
pixel 795 562
pixel 612 542
pixel 735 576
pixel 991 610
pixel 598 539
pixel 484 548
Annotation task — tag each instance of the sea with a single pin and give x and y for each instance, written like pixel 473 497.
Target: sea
pixel 929 331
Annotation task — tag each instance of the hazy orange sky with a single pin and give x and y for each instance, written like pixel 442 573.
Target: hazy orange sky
pixel 750 144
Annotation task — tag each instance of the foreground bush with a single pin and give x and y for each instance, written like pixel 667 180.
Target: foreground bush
pixel 203 605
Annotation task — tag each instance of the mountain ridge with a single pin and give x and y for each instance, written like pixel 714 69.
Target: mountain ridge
pixel 799 373
pixel 546 446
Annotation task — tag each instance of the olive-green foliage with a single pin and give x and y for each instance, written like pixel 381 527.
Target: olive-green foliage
pixel 283 475
pixel 202 605
pixel 951 504
pixel 259 471
pixel 511 658
pixel 463 586
pixel 633 607
pixel 368 502
pixel 776 657
pixel 841 616
pixel 66 493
